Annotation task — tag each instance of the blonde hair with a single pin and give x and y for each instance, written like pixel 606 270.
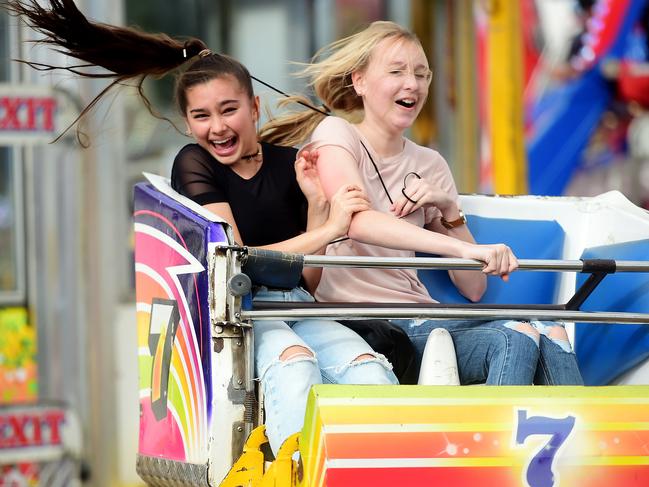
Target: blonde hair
pixel 330 76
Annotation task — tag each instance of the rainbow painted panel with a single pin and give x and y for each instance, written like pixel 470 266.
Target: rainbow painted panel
pixel 172 328
pixel 466 436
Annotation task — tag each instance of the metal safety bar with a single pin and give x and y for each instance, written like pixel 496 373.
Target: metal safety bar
pixel 442 263
pixel 426 313
pixel 275 262
pixel 597 268
pixel 256 257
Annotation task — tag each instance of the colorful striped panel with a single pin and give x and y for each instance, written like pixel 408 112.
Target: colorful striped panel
pixel 488 436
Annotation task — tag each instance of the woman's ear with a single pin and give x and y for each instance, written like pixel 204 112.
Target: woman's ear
pixel 255 108
pixel 358 81
pixel 188 130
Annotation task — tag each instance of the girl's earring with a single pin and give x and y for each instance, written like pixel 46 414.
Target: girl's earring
pixel 188 133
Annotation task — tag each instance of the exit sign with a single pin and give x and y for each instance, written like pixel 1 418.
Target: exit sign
pixel 31 114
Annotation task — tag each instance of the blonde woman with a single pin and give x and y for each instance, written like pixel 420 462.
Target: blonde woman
pixel 382 73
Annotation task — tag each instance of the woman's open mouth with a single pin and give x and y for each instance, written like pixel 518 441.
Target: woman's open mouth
pixel 224 147
pixel 407 102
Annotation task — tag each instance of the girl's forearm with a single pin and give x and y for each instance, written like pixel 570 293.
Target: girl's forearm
pixel 373 227
pixel 309 242
pixel 471 284
pixel 317 214
pixel 377 228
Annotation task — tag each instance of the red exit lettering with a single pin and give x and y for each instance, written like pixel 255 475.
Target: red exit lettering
pixel 31 429
pixel 27 113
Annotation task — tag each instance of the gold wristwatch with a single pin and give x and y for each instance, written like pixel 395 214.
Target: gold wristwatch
pixel 454 223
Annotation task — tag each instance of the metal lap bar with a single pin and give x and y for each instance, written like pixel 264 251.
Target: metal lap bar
pixel 268 305
pixel 598 268
pixel 355 311
pixel 443 263
pixel 440 263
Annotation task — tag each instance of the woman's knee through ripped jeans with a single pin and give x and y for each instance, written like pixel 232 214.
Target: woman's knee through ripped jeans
pixel 557 361
pixel 291 357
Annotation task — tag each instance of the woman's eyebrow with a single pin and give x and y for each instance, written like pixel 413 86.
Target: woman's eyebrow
pixel 220 105
pixel 401 64
pixel 225 102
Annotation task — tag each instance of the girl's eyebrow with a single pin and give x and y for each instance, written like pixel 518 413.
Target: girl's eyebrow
pixel 221 104
pixel 225 102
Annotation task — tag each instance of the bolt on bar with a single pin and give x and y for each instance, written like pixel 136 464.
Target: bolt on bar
pixel 460 264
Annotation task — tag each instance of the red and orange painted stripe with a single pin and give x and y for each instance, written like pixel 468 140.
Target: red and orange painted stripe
pixel 488 436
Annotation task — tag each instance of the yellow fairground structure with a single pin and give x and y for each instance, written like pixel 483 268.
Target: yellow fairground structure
pixel 505 88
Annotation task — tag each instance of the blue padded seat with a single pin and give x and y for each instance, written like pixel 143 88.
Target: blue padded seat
pixel 604 352
pixel 529 239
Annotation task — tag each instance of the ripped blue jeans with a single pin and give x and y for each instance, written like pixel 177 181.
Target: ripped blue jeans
pixel 503 352
pixel 557 365
pixel 333 350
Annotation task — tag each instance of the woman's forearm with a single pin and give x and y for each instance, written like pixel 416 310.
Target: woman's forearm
pixel 319 233
pixel 378 228
pixel 306 243
pixel 317 216
pixel 471 284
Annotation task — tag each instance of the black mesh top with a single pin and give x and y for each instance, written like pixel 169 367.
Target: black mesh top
pixel 268 208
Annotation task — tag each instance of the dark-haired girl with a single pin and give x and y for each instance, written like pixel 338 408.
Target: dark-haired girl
pixel 270 199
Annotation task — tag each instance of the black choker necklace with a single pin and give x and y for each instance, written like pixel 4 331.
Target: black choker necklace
pixel 253 156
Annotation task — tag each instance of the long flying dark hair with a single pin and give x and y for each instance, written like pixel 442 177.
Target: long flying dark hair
pixel 128 55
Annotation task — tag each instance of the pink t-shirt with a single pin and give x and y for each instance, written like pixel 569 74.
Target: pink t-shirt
pixel 380 285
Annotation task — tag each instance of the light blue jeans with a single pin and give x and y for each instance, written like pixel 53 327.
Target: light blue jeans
pixel 496 353
pixel 286 383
